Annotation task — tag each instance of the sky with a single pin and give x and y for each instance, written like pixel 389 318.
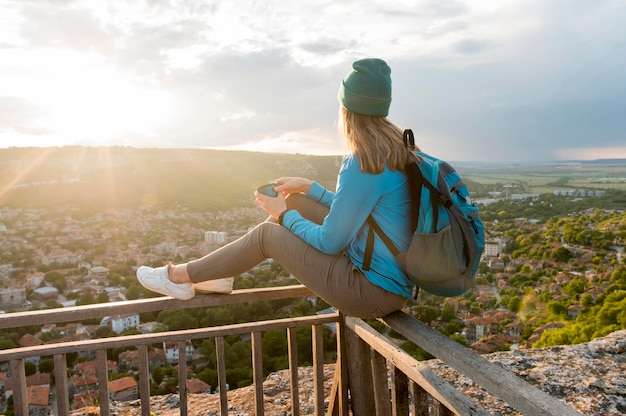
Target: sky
pixel 476 80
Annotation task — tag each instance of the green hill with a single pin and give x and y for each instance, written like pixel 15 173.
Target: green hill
pixel 128 177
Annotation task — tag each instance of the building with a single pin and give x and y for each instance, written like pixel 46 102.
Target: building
pixel 38 398
pixel 123 389
pixel 14 299
pixel 479 327
pixel 216 237
pixel 28 340
pixel 196 386
pixel 99 272
pixel 121 323
pixel 166 248
pixel 5 271
pixel 46 293
pixel 129 360
pixel 493 248
pixel 81 383
pixel 171 352
pixel 59 257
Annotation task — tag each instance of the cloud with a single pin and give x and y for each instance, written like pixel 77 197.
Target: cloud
pixel 477 80
pixel 470 46
pixel 20 116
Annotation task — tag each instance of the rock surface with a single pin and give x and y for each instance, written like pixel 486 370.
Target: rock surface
pixel 590 378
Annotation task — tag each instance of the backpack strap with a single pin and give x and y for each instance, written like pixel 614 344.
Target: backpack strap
pixel 415 188
pixel 409 139
pixel 369 246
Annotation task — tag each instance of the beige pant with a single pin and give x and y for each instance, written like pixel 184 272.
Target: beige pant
pixel 333 278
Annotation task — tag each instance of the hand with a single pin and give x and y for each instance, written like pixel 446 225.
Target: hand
pixel 273 206
pixel 291 185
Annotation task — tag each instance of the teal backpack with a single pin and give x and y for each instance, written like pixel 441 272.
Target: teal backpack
pixel 449 236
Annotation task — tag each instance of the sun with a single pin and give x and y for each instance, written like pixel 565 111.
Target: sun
pixel 84 99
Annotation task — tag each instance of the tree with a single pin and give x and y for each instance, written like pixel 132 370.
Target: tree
pixel 514 304
pixel 86 298
pixel 209 376
pixel 586 299
pixel 618 277
pixel 133 292
pixel 57 280
pixel 447 314
pixel 575 287
pixel 102 297
pixel 459 338
pixel 561 254
pixel 557 308
pixel 6 344
pixel 177 319
pixel 53 304
pixel 274 342
pixel 105 332
pixel 30 368
pixel 416 352
pixel 46 365
pixel 427 314
pixel 158 374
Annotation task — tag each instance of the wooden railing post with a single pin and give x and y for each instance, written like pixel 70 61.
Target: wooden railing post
pixel 360 375
pixel 292 343
pixel 419 404
pixel 399 392
pixel 257 373
pixel 144 378
pixel 182 377
pixel 102 373
pixel 380 380
pixel 60 381
pixel 317 338
pixel 18 374
pixel 221 374
pixel 338 404
pixel 440 410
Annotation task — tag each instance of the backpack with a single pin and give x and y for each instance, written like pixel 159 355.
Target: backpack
pixel 449 235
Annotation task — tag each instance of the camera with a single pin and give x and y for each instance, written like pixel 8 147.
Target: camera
pixel 267 189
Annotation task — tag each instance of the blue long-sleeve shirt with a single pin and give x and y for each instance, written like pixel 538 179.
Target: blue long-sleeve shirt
pixel 358 194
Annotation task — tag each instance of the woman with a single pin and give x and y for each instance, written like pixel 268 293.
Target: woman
pixel 318 235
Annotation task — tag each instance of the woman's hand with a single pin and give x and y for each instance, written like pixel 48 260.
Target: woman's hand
pixel 291 185
pixel 272 205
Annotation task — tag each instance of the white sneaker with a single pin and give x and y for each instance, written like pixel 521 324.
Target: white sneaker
pixel 224 285
pixel 157 280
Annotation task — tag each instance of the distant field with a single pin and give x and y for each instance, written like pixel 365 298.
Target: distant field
pixel 546 178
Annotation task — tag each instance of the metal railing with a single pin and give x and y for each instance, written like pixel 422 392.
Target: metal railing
pixel 372 375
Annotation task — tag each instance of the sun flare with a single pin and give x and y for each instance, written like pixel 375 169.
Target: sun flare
pixel 89 101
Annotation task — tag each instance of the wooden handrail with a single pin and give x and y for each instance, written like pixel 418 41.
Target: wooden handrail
pixel 416 371
pixel 501 383
pixel 16 357
pixel 366 360
pixel 58 351
pixel 100 310
pixel 160 337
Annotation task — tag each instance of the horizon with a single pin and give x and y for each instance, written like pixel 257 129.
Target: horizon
pixel 460 161
pixel 516 81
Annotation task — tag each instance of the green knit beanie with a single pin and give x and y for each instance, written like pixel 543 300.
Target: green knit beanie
pixel 367 88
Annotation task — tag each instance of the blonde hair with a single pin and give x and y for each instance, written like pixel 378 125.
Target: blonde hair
pixel 376 141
